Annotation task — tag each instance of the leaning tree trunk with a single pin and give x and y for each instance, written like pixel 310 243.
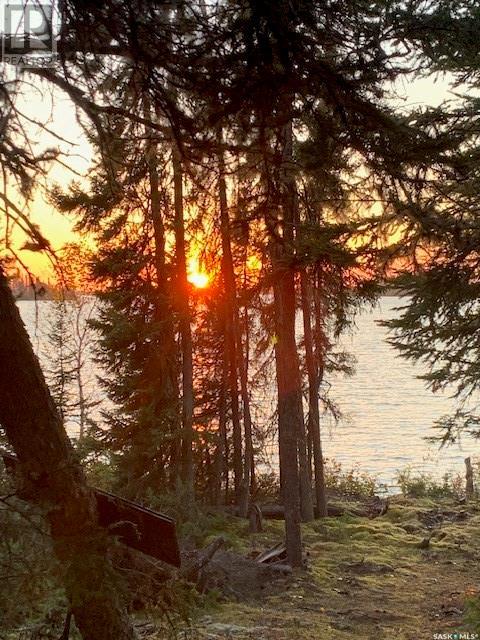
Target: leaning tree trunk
pixel 53 478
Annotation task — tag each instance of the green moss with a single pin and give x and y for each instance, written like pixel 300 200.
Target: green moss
pixel 370 578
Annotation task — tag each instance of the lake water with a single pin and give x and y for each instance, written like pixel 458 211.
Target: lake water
pixel 387 412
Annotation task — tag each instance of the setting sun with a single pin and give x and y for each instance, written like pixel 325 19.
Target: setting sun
pixel 196 275
pixel 199 280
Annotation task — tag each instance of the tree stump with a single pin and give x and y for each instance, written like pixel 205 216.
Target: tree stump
pixel 469 486
pixel 255 519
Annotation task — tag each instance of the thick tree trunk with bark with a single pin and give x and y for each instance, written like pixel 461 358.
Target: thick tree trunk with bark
pixel 313 390
pixel 290 410
pixel 53 478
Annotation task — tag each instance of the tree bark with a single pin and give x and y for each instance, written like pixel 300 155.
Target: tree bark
pixel 243 359
pixel 244 379
pixel 290 410
pixel 53 478
pixel 291 218
pixel 469 483
pixel 183 291
pixel 313 390
pixel 221 453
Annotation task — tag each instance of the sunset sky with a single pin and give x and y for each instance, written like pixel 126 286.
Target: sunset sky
pixel 52 108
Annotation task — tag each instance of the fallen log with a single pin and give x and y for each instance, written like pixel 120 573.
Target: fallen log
pixel 371 509
pixel 277 511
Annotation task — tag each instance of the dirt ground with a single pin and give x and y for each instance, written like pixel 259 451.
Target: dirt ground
pixel 406 575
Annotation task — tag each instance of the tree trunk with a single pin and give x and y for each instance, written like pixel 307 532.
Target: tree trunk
pixel 166 361
pixel 243 359
pixel 313 390
pixel 306 500
pixel 248 463
pixel 249 453
pixel 221 454
pixel 290 410
pixel 53 478
pixel 237 357
pixel 469 484
pixel 185 326
pixel 291 218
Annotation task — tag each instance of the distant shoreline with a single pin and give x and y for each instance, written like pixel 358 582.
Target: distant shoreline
pixel 42 293
pixel 45 293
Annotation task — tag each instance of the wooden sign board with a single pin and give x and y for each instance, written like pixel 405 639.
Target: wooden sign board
pixel 138 527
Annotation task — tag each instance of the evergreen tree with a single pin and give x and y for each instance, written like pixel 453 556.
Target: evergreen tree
pixel 282 73
pixel 291 66
pixel 438 325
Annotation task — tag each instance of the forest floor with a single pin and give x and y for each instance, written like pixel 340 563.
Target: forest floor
pixel 408 574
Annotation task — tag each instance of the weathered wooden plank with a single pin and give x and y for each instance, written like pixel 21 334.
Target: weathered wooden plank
pixel 274 554
pixel 138 527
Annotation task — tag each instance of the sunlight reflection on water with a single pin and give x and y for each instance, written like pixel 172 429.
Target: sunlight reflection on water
pixel 387 411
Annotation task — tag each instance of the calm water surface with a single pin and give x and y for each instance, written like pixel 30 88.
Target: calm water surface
pixel 387 411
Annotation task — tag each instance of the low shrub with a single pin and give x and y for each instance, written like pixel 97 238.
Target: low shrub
pixel 350 483
pixel 414 484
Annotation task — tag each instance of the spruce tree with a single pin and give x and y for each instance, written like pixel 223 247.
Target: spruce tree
pixel 438 324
